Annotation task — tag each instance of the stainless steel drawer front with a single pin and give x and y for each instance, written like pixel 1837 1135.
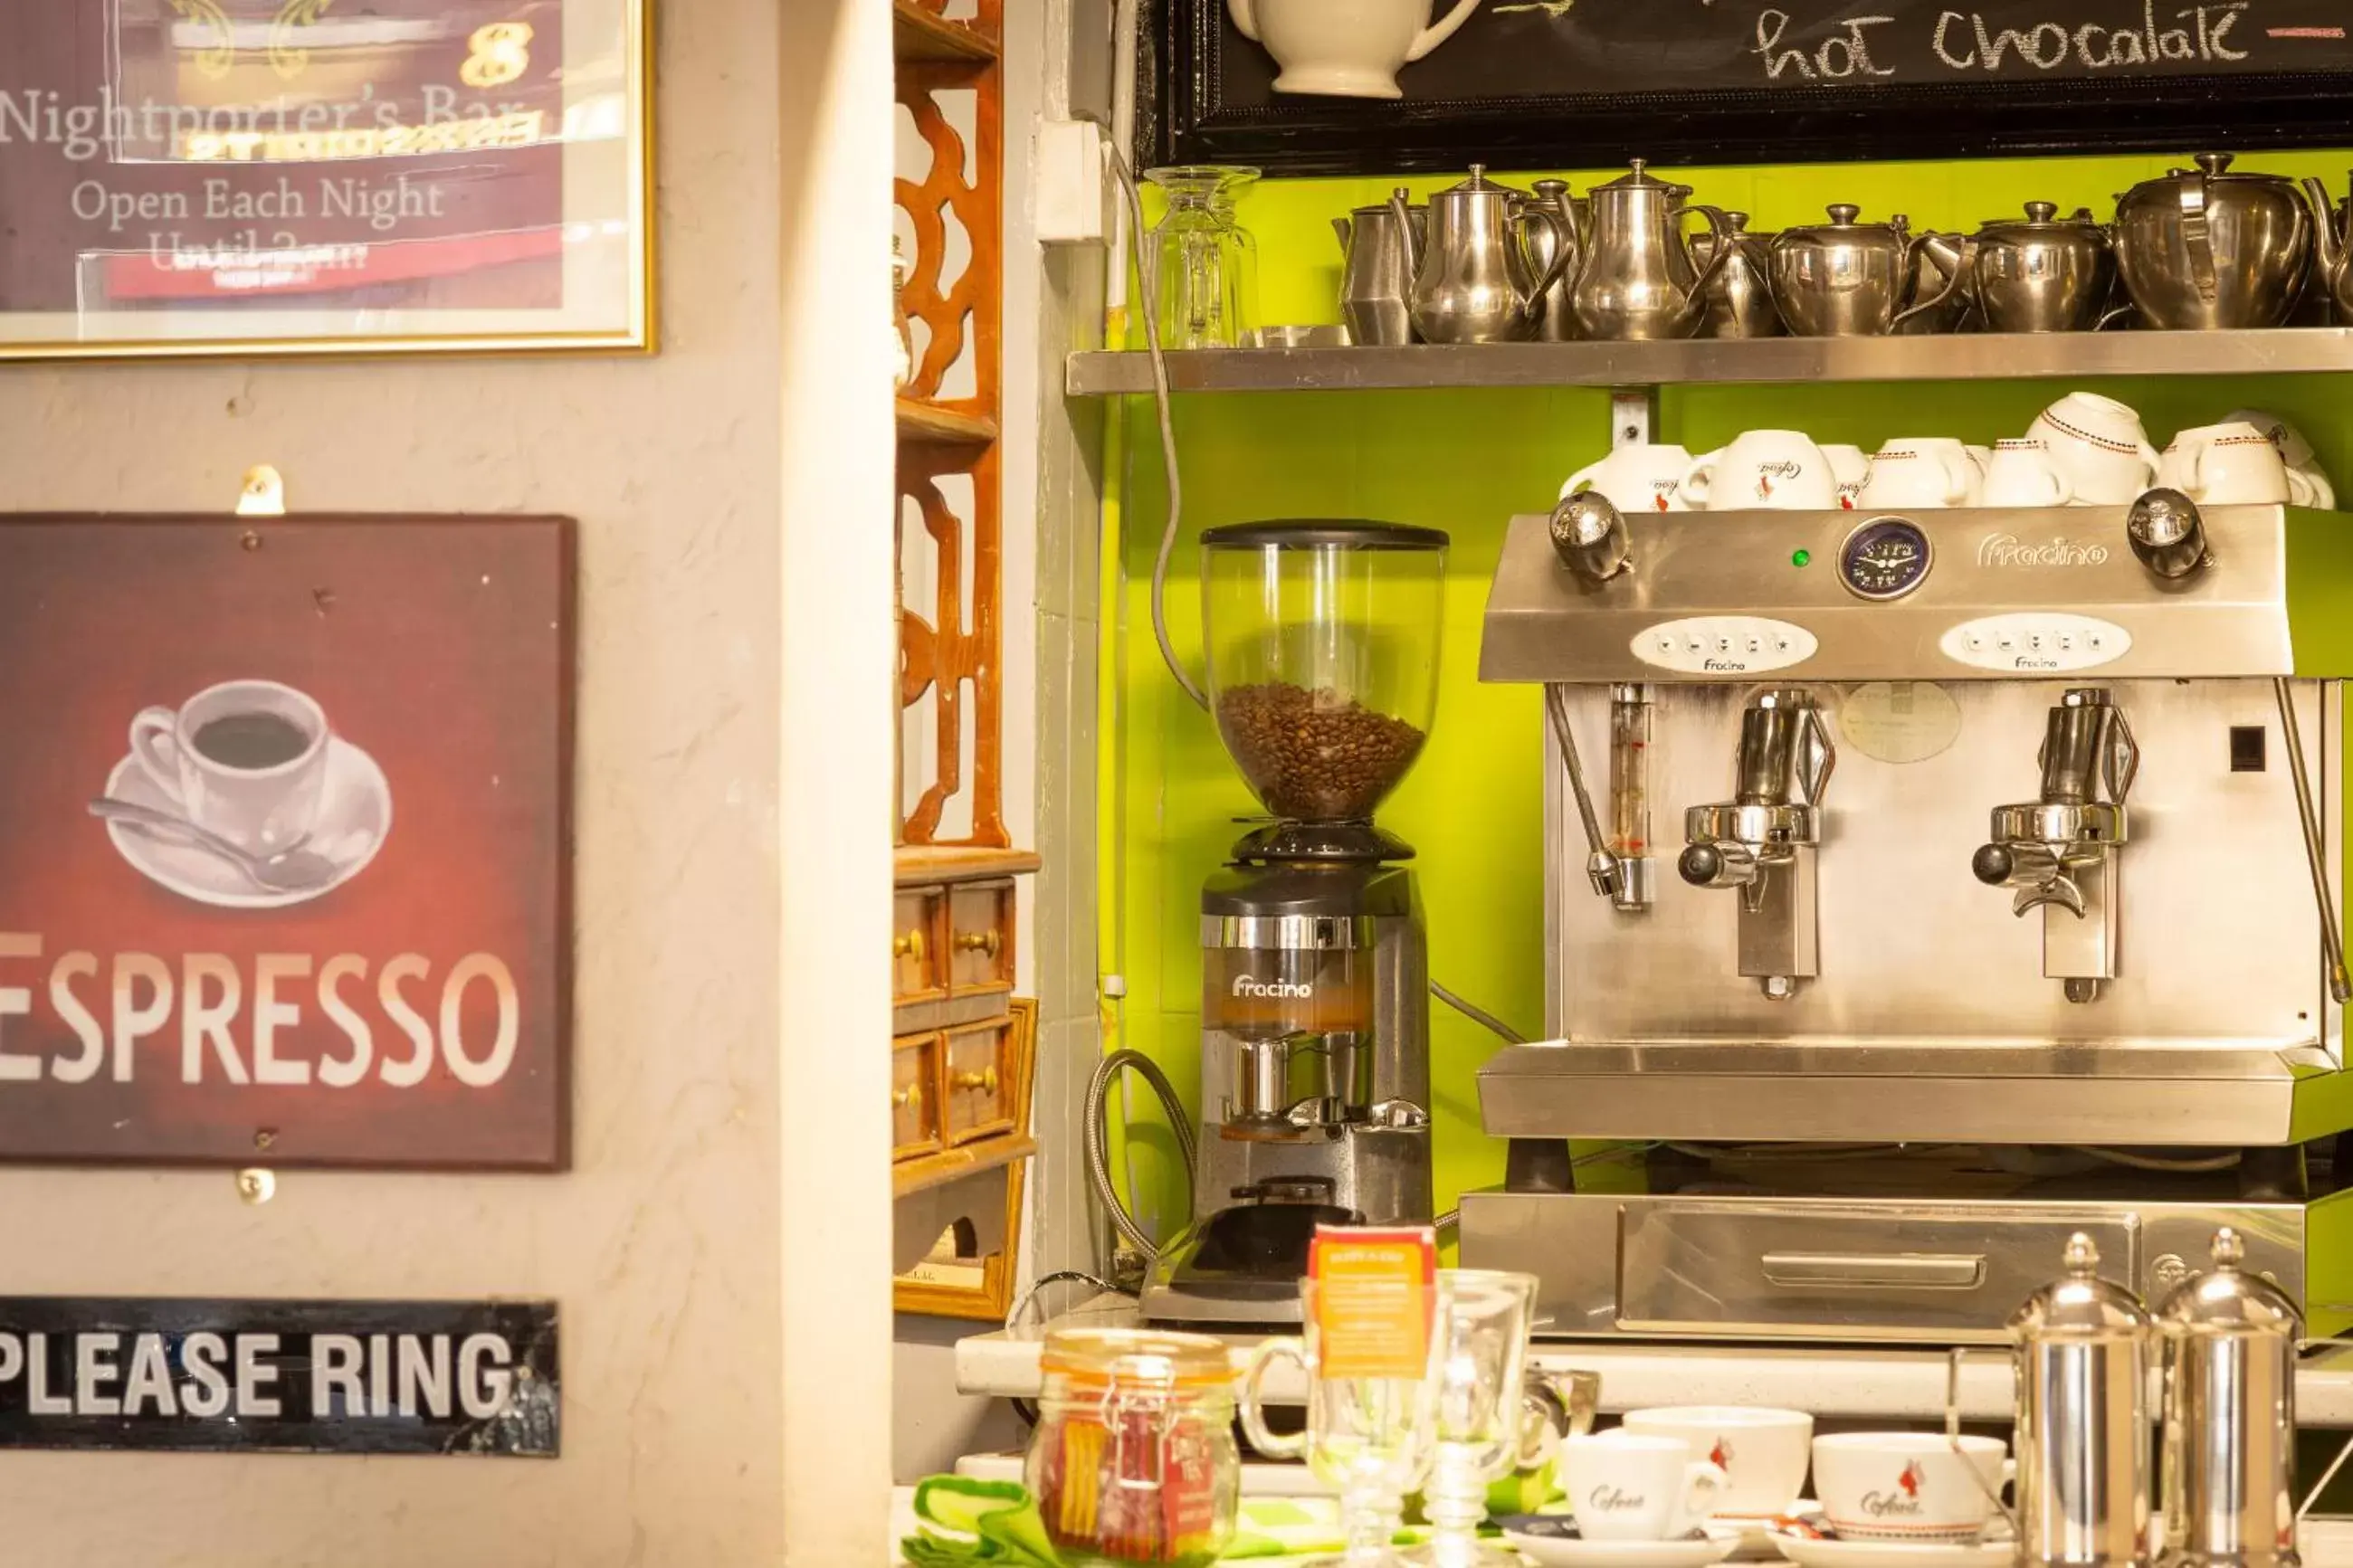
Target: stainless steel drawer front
pixel 1754 1267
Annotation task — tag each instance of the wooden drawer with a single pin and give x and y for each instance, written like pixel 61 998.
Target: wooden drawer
pixel 915 1096
pixel 980 937
pixel 981 1088
pixel 919 944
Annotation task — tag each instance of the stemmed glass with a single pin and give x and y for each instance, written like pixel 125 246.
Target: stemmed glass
pixel 1369 1436
pixel 1203 286
pixel 1486 1424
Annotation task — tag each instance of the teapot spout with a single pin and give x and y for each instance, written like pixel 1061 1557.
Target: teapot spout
pixel 1340 227
pixel 1408 242
pixel 1946 247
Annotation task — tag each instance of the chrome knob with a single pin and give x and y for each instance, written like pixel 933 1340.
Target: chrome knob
pixel 2168 534
pixel 1724 864
pixel 1590 536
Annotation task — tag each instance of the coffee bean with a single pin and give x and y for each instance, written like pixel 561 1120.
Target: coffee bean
pixel 1315 755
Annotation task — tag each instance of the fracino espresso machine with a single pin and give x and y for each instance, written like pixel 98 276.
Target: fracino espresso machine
pixel 1323 661
pixel 1991 899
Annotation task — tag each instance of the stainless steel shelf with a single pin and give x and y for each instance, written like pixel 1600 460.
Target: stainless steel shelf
pixel 1965 357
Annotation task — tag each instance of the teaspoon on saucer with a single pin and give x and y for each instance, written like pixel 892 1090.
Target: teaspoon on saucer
pixel 292 869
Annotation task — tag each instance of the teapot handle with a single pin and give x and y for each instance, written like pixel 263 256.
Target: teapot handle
pixel 1245 17
pixel 1430 37
pixel 1719 253
pixel 2198 236
pixel 1563 249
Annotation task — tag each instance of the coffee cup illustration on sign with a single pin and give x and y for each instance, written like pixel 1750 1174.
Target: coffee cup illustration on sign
pixel 245 798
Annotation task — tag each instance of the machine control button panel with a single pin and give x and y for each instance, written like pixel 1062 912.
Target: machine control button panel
pixel 2032 641
pixel 1724 644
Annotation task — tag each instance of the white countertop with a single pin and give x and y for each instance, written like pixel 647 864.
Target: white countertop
pixel 1894 1382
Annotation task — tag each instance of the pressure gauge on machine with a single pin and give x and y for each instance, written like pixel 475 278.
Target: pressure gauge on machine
pixel 1885 558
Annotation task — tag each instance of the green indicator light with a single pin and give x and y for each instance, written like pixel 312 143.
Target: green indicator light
pixel 1801 557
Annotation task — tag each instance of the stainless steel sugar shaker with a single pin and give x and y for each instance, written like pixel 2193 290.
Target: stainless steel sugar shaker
pixel 2083 1346
pixel 2229 1476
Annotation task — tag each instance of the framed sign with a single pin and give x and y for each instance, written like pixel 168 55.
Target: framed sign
pixel 284 840
pixel 1534 84
pixel 323 1377
pixel 306 176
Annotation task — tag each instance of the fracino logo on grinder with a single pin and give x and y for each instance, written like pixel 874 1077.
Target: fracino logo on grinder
pixel 2007 550
pixel 1244 986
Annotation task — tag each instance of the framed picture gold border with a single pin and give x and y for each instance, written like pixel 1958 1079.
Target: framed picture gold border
pixel 642 338
pixel 993 1299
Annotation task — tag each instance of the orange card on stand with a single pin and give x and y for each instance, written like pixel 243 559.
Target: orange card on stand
pixel 1374 1291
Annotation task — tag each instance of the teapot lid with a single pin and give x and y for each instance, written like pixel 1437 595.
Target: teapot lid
pixel 1638 177
pixel 1479 184
pixel 1843 226
pixel 2080 1304
pixel 2228 1301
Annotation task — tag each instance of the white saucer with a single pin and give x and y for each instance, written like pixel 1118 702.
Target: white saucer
pixel 355 815
pixel 1756 1530
pixel 1575 1552
pixel 1810 1552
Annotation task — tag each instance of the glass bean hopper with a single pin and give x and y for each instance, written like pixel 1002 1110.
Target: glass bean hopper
pixel 1322 641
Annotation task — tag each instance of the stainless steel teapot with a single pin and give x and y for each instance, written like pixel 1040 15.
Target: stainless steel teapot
pixel 2333 234
pixel 1638 282
pixel 1475 277
pixel 1843 278
pixel 2210 249
pixel 1376 274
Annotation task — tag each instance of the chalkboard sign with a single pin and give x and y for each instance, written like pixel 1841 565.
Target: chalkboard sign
pixel 1586 83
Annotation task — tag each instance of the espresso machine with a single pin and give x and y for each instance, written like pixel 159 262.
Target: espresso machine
pixel 1994 903
pixel 1322 663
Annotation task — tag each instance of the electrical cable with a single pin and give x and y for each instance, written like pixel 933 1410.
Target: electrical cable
pixel 1098 1137
pixel 1147 268
pixel 1477 1015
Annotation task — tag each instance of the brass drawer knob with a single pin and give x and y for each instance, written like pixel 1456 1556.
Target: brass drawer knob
pixel 910 1098
pixel 983 1081
pixel 909 946
pixel 987 941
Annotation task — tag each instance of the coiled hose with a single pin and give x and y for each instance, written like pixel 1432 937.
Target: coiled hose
pixel 1099 1139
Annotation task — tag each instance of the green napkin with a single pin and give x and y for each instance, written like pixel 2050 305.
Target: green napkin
pixel 1000 1517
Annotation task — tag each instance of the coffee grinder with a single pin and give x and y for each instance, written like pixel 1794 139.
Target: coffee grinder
pixel 1322 642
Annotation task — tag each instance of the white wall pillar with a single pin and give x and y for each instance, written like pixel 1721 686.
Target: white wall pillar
pixel 840 664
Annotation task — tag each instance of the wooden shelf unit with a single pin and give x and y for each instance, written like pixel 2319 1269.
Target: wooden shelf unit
pixel 951 83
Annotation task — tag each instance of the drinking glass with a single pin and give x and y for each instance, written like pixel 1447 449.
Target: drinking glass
pixel 1486 1424
pixel 1204 281
pixel 1369 1436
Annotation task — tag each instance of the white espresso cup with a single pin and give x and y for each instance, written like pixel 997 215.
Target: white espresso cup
pixel 2102 446
pixel 1763 470
pixel 1345 48
pixel 2023 473
pixel 1908 1486
pixel 1922 472
pixel 245 759
pixel 1762 1452
pixel 1851 470
pixel 1626 1485
pixel 2226 464
pixel 2303 462
pixel 1636 479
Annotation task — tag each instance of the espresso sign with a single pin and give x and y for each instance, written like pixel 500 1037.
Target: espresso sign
pixel 260 175
pixel 1587 83
pixel 283 840
pixel 339 1378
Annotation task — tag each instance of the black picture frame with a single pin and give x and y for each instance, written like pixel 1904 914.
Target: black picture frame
pixel 1202 98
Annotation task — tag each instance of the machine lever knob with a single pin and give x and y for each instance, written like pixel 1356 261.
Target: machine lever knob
pixel 1590 536
pixel 1993 864
pixel 2168 534
pixel 1724 864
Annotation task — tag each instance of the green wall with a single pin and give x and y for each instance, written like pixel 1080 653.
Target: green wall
pixel 1465 462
